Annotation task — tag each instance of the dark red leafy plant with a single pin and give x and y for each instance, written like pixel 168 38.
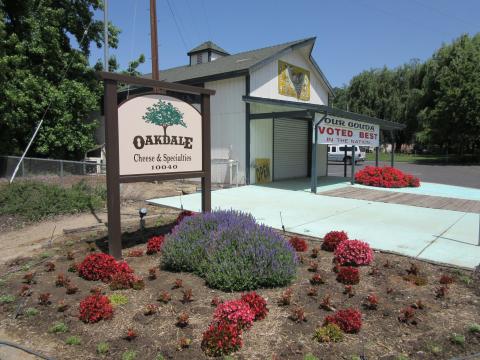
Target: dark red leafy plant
pixel 95 308
pixel 154 244
pixel 348 275
pixel 316 279
pixel 70 255
pixel 135 253
pixel 353 252
pixel 235 312
pixel 349 320
pixel 298 243
pixel 178 283
pixel 257 304
pixel 441 292
pixel 49 266
pixel 332 239
pixel 182 319
pixel 286 297
pixel 131 335
pixel 44 299
pixel 326 303
pixel 62 280
pixel 407 315
pixel 164 297
pixel 152 273
pixel 150 309
pixel 71 288
pixel 348 290
pixel 183 215
pixel 28 278
pixel 371 302
pixel 313 267
pixel 221 338
pixel 122 280
pixel 25 290
pixel 312 291
pixel 446 279
pixel 187 296
pixel 183 343
pixel 298 314
pixel 315 252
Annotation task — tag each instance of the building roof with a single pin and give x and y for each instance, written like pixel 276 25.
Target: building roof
pixel 233 65
pixel 207 45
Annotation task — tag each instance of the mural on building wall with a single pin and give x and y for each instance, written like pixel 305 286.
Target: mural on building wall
pixel 262 171
pixel 293 81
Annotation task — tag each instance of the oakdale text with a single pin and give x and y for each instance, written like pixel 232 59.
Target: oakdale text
pixel 140 141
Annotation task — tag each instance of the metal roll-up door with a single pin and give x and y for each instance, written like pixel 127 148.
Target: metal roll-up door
pixel 290 149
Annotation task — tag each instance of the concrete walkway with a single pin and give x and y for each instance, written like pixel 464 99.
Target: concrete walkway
pixel 439 235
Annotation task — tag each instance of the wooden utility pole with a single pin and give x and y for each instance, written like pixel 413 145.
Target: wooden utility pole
pixel 154 38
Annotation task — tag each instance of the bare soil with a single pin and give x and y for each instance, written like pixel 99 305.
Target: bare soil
pixel 382 335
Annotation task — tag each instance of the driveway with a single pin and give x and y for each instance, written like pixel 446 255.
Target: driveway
pixel 460 175
pixel 443 236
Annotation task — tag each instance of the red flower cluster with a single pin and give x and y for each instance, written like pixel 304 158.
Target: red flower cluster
pixel 95 308
pixel 332 239
pixel 353 252
pixel 224 334
pixel 183 215
pixel 348 275
pixel 298 243
pixel 257 304
pixel 101 267
pixel 236 312
pixel 221 338
pixel 154 244
pixel 349 320
pixel 387 177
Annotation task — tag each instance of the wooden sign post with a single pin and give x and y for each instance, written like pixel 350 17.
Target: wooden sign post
pixel 138 147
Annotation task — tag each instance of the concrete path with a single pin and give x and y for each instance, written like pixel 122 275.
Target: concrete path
pixel 439 235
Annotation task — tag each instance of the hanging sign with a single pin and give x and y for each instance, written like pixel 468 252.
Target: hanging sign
pixel 159 134
pixel 336 130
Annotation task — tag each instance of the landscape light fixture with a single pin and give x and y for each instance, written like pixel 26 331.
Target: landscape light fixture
pixel 142 213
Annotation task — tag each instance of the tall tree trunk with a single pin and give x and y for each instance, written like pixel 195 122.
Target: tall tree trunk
pixel 164 130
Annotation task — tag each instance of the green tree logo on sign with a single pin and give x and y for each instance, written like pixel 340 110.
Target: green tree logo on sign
pixel 164 114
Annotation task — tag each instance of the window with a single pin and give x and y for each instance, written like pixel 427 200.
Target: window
pixel 334 148
pixel 199 58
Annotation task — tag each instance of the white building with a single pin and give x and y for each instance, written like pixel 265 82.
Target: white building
pixel 262 113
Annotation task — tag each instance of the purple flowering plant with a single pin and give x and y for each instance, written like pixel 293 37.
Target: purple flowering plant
pixel 230 251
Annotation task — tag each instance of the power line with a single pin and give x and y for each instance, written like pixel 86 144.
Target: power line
pixel 177 26
pixel 448 15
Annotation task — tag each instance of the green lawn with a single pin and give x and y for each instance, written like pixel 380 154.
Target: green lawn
pixel 411 158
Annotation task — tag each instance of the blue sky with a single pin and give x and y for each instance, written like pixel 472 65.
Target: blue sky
pixel 352 35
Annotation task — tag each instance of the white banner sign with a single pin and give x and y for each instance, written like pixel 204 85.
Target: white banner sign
pixel 159 134
pixel 336 130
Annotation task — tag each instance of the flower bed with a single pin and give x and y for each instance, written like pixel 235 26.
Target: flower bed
pixel 231 251
pixel 387 177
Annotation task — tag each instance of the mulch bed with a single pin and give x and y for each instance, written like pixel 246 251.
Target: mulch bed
pixel 382 335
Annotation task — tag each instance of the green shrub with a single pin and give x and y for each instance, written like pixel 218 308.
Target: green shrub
pixel 7 299
pixel 310 357
pixel 36 200
pixel 118 299
pixel 58 327
pixel 328 333
pixel 129 355
pixel 457 339
pixel 73 340
pixel 31 312
pixel 103 348
pixel 434 348
pixel 474 329
pixel 230 251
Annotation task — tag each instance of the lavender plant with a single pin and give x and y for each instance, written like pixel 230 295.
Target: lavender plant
pixel 230 251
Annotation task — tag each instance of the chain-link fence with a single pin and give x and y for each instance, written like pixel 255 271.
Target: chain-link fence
pixel 65 172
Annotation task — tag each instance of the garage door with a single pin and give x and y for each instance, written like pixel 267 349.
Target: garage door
pixel 290 149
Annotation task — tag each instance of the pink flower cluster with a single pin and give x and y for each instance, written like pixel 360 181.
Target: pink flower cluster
pixel 353 252
pixel 224 334
pixel 387 177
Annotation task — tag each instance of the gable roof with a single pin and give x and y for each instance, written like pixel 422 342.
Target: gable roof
pixel 234 65
pixel 207 45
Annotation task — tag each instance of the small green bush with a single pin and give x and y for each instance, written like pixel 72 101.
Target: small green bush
pixel 58 327
pixel 434 348
pixel 35 201
pixel 310 357
pixel 73 340
pixel 474 329
pixel 230 251
pixel 118 299
pixel 457 339
pixel 328 333
pixel 7 299
pixel 103 348
pixel 31 312
pixel 129 355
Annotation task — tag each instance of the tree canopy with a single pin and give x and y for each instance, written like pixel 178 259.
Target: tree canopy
pixel 44 65
pixel 164 114
pixel 438 100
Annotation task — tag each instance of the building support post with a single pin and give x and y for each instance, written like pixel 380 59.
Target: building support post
pixel 353 165
pixel 345 162
pixel 206 155
pixel 377 150
pixel 392 154
pixel 313 172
